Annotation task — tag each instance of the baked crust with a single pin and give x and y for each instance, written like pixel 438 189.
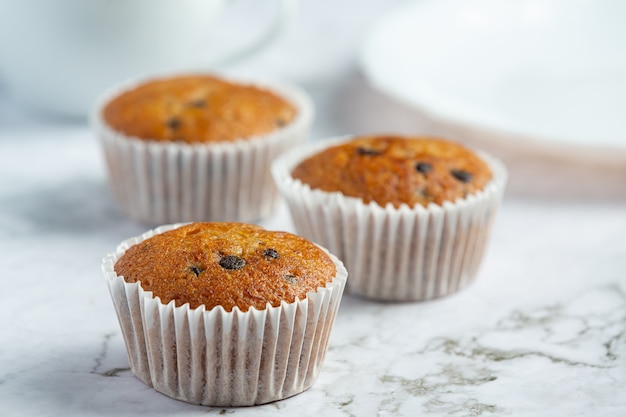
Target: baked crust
pixel 226 264
pixel 396 169
pixel 197 109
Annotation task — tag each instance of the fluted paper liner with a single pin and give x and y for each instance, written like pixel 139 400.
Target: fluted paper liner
pixel 165 182
pixel 394 254
pixel 223 358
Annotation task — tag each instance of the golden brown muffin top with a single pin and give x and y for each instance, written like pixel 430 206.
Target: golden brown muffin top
pixel 227 264
pixel 197 109
pixel 396 169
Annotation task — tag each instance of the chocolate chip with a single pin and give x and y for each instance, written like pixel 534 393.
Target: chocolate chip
pixel 173 123
pixel 423 193
pixel 290 278
pixel 461 175
pixel 280 122
pixel 232 262
pixel 195 270
pixel 198 103
pixel 423 167
pixel 270 253
pixel 367 151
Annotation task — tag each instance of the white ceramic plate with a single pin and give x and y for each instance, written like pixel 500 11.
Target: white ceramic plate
pixel 551 69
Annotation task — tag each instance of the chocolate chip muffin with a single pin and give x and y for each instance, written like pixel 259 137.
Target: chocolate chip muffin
pixel 197 109
pixel 396 170
pixel 225 314
pixel 409 216
pixel 226 264
pixel 198 147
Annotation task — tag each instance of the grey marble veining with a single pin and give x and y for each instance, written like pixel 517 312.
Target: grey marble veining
pixel 540 333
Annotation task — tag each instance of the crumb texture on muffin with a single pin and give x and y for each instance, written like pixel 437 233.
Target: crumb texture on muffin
pixel 227 264
pixel 197 109
pixel 397 170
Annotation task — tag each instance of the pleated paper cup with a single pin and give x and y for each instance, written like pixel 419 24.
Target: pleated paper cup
pixel 222 358
pixel 166 182
pixel 394 254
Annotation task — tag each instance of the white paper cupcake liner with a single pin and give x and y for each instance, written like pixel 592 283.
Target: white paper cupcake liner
pixel 167 182
pixel 394 254
pixel 222 358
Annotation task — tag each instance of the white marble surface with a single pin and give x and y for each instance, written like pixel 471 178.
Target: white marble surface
pixel 540 333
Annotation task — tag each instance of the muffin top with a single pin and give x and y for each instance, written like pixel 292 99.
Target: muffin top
pixel 197 109
pixel 227 264
pixel 397 170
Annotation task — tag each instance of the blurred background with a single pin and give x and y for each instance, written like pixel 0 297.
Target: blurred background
pixel 318 49
pixel 539 83
pixel 542 84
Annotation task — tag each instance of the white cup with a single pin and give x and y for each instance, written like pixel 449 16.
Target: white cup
pixel 58 55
